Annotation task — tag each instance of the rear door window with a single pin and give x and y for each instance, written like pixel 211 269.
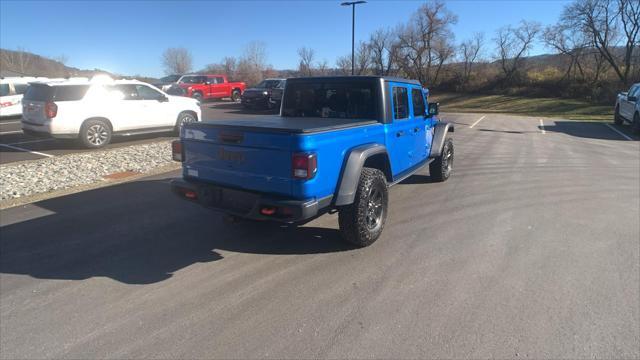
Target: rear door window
pixel 418 102
pixel 219 80
pixel 400 103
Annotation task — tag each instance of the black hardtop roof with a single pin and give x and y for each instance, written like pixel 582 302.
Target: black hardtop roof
pixel 360 77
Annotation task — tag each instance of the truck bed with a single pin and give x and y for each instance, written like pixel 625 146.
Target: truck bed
pixel 295 125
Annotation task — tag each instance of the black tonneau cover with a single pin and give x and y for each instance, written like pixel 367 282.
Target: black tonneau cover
pixel 296 125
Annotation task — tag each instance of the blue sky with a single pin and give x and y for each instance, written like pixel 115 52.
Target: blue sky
pixel 128 37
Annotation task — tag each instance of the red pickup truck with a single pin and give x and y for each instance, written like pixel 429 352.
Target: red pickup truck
pixel 203 87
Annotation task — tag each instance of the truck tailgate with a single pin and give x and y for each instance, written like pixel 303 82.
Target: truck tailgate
pixel 245 159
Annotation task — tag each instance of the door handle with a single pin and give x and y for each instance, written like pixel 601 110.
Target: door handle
pixel 399 133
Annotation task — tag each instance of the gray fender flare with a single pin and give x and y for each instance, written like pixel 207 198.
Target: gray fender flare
pixel 352 170
pixel 439 134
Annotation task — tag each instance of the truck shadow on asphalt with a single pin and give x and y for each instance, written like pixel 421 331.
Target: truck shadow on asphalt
pixel 140 233
pixel 591 130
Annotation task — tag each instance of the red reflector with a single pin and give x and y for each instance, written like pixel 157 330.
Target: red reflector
pixel 190 194
pixel 268 211
pixel 176 150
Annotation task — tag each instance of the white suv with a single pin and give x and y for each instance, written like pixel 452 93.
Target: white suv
pixel 94 111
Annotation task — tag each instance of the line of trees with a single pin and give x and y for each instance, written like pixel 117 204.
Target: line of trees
pixel 595 44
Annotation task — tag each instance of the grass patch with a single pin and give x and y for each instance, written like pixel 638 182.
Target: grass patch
pixel 569 109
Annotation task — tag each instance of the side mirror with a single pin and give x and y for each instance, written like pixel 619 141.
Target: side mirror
pixel 433 109
pixel 632 98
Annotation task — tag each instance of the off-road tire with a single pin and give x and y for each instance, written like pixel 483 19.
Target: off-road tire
pixel 95 133
pixel 235 96
pixel 355 219
pixel 635 124
pixel 440 167
pixel 617 119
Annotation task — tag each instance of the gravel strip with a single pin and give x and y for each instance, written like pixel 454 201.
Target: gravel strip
pixel 67 171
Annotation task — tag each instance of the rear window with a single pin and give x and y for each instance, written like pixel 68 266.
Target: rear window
pixel 20 88
pixel 4 89
pixel 56 93
pixel 331 99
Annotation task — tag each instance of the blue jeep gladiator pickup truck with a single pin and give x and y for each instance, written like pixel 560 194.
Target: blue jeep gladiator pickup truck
pixel 338 145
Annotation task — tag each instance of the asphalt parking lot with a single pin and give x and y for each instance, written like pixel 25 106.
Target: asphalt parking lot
pixel 16 146
pixel 530 250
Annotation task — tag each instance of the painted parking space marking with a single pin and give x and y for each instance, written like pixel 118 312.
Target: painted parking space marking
pixel 9 122
pixel 10 132
pixel 31 141
pixel 542 130
pixel 26 150
pixel 619 132
pixel 477 121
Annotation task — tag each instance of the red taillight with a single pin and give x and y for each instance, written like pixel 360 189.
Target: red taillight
pixel 304 166
pixel 176 150
pixel 51 110
pixel 5 104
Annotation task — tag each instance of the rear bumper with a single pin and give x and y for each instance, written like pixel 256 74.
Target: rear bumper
pixel 254 101
pixel 44 130
pixel 249 205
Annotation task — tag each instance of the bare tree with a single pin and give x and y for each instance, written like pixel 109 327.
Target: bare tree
pixel 176 61
pixel 569 43
pixel 383 51
pixel 513 45
pixel 323 67
pixel 608 24
pixel 363 58
pixel 469 53
pixel 306 61
pixel 253 63
pixel 343 64
pixel 425 40
pixel 19 60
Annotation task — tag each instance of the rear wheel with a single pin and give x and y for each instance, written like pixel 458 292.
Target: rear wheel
pixel 440 168
pixel 361 222
pixel 635 124
pixel 235 96
pixel 617 119
pixel 95 133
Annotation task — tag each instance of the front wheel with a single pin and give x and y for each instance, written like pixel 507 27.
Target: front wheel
pixel 635 124
pixel 617 119
pixel 361 222
pixel 440 168
pixel 235 96
pixel 183 119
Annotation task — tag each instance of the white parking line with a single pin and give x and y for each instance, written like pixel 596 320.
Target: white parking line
pixel 619 132
pixel 477 121
pixel 9 122
pixel 542 127
pixel 26 150
pixel 31 141
pixel 10 132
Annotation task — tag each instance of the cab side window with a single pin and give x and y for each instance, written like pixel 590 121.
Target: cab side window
pixel 418 103
pixel 147 93
pixel 400 103
pixel 219 80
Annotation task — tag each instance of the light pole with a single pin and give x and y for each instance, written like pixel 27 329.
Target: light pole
pixel 353 30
